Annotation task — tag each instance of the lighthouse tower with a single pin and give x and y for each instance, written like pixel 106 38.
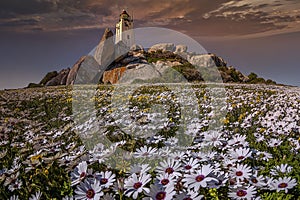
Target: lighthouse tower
pixel 124 29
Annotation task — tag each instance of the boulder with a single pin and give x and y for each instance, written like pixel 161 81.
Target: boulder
pixel 180 48
pixel 89 71
pixel 48 77
pixel 139 55
pixel 207 60
pixel 121 50
pixel 104 53
pixel 129 59
pixel 113 76
pixel 161 66
pixel 34 85
pixel 73 72
pixel 139 72
pixel 163 47
pixel 136 47
pixel 60 79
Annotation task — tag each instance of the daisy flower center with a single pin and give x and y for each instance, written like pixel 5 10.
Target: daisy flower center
pixel 90 193
pixel 146 154
pixel 282 185
pixel 241 193
pixel 82 175
pixel 239 173
pixel 169 170
pixel 254 180
pixel 137 185
pixel 188 167
pixel 241 157
pixel 103 180
pixel 231 181
pixel 199 178
pixel 165 181
pixel 160 196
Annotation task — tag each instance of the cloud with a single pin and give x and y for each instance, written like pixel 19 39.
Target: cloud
pixel 197 18
pixel 260 15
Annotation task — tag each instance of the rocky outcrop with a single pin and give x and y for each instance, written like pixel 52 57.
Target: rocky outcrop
pixel 136 47
pixel 144 72
pixel 180 49
pixel 113 64
pixel 207 60
pixel 89 71
pixel 60 79
pixel 163 47
pixel 113 76
pixel 105 51
pixel 48 77
pixel 162 66
pixel 230 74
pixel 73 72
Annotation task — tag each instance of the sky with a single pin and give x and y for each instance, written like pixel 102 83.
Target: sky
pixel 38 36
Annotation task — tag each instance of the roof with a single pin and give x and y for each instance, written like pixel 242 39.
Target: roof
pixel 124 15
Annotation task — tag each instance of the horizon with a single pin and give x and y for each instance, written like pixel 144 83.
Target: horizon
pixel 43 36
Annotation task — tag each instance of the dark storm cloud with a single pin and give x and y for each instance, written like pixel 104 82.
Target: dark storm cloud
pixel 19 22
pixel 202 18
pixel 26 7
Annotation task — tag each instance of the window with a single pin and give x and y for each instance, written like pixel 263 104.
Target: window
pixel 128 37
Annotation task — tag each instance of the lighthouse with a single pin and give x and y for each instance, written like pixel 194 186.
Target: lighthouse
pixel 124 29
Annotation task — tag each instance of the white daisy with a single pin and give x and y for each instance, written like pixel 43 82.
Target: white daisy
pixel 15 185
pixel 191 195
pixel 178 155
pixel 136 184
pixel 160 193
pixel 170 167
pixel 145 152
pixel 106 179
pixel 274 142
pixel 139 169
pixel 212 138
pixel 80 172
pixel 190 165
pixel 88 190
pixel 166 180
pixel 262 155
pixel 240 154
pixel 68 198
pixel 199 178
pixel 285 184
pixel 242 194
pixel 240 172
pixel 238 140
pixel 14 197
pixel 257 181
pixel 281 169
pixel 36 196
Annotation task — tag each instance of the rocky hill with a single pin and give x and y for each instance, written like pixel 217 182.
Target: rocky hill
pixel 112 64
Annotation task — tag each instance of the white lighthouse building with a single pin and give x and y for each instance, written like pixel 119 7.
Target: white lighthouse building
pixel 124 29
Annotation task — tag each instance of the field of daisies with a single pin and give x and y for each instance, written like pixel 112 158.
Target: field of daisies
pixel 206 142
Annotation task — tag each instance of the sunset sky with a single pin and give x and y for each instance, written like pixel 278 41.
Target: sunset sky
pixel 38 36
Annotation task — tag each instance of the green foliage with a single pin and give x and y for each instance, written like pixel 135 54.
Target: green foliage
pixel 252 76
pixel 153 57
pixel 254 79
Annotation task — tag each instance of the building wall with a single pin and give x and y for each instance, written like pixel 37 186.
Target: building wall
pixel 124 33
